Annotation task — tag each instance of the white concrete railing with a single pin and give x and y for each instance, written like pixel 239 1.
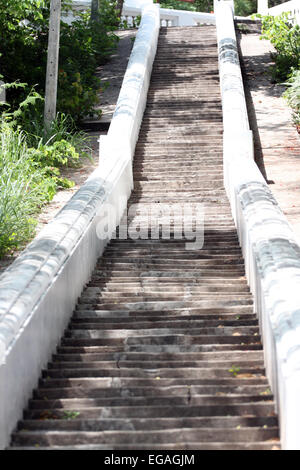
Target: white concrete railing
pixel 39 291
pixel 124 129
pixel 262 7
pixel 270 250
pixel 132 10
pixel 172 17
pixel 292 7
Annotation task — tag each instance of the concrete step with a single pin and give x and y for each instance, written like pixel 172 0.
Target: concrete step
pixel 231 312
pixel 118 318
pixel 178 251
pixel 146 412
pixel 164 392
pixel 271 444
pixel 91 362
pixel 136 424
pixel 154 343
pixel 52 438
pixel 123 383
pixel 94 324
pixel 200 400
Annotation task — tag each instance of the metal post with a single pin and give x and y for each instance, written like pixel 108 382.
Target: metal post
pixel 52 63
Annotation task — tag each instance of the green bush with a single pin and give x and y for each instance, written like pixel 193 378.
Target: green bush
pixel 245 7
pixel 108 14
pixel 177 5
pixel 274 3
pixel 83 46
pixel 285 38
pixel 292 95
pixel 198 5
pixel 30 159
pixel 242 7
pixel 29 178
pixel 204 5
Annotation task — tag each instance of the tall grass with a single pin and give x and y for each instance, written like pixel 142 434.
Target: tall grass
pixel 20 193
pixel 30 163
pixel 62 128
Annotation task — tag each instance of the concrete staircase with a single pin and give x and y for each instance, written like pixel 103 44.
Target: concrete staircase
pixel 163 350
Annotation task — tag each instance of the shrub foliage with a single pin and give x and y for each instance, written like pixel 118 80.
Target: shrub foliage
pixel 83 46
pixel 285 38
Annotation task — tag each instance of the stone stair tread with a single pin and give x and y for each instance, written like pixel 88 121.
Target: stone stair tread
pixel 164 323
pixel 257 409
pixel 157 373
pixel 79 424
pixel 175 390
pixel 150 365
pixel 117 382
pixel 99 331
pixel 231 310
pixel 147 436
pixel 207 356
pixel 172 346
pixel 79 403
pixel 124 318
pixel 162 305
pixel 270 445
